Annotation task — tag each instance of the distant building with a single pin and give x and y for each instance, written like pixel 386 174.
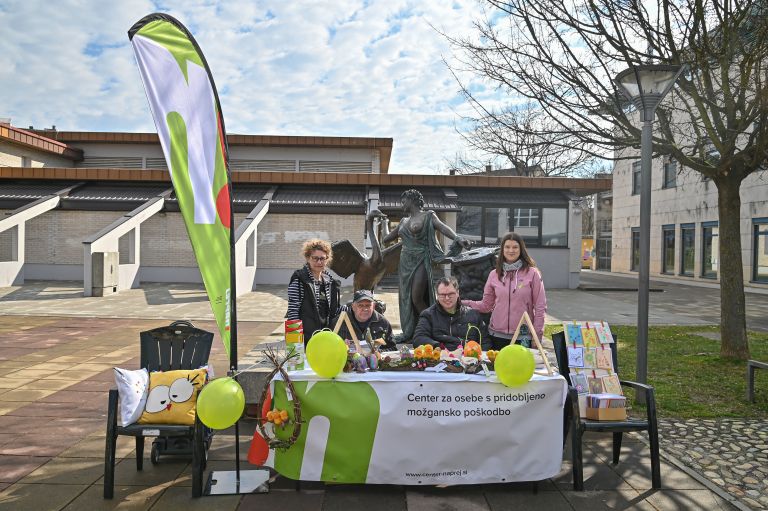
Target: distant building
pixel 70 201
pixel 684 224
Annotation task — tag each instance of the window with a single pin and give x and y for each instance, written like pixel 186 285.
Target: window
pixel 468 222
pixel 538 226
pixel 496 224
pixel 636 178
pixel 554 227
pixel 526 217
pixel 668 249
pixel 526 224
pixel 670 174
pixel 760 255
pixel 687 249
pixel 710 250
pixel 635 262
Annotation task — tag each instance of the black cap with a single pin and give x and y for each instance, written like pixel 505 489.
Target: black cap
pixel 362 294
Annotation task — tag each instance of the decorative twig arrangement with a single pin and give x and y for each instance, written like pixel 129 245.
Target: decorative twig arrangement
pixel 273 441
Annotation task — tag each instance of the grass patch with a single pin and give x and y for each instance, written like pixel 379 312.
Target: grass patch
pixel 690 378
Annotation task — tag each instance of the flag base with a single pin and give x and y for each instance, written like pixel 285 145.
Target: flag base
pixel 225 482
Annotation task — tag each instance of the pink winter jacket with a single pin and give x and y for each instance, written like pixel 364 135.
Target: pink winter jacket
pixel 518 291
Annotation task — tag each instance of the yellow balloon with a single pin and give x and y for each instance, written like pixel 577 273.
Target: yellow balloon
pixel 221 403
pixel 326 353
pixel 514 365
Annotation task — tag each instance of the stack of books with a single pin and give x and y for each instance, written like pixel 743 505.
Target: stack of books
pixel 612 407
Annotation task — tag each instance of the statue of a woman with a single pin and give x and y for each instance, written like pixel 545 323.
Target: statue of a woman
pixel 420 251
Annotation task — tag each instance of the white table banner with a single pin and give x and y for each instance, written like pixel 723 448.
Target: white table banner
pixel 422 428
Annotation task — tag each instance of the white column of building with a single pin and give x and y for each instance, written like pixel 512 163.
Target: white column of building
pixel 246 246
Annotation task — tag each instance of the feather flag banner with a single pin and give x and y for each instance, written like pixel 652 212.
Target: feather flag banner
pixel 187 113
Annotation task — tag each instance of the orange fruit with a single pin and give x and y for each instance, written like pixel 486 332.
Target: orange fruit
pixel 284 415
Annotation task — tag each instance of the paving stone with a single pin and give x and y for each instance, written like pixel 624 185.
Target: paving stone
pixel 66 471
pixel 13 468
pixel 600 500
pixel 93 447
pixel 32 497
pixel 519 500
pixel 422 499
pixel 38 444
pixel 345 497
pixel 283 499
pixel 596 477
pixel 180 499
pixel 134 498
pixel 165 472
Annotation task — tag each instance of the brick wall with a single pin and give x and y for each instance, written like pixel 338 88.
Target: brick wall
pixel 164 241
pixel 56 237
pixel 280 236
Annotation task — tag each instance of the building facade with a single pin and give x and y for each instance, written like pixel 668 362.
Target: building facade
pixel 68 198
pixel 684 223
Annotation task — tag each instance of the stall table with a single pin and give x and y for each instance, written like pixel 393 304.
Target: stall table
pixel 415 428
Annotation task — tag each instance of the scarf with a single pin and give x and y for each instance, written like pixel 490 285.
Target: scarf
pixel 513 266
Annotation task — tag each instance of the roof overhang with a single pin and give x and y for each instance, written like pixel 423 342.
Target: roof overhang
pixel 38 142
pixel 383 145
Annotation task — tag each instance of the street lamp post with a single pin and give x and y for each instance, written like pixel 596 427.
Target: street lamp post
pixel 645 86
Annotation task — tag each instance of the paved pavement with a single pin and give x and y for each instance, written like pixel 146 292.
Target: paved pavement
pixel 57 349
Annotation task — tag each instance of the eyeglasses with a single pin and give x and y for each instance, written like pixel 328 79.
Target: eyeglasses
pixel 319 259
pixel 446 295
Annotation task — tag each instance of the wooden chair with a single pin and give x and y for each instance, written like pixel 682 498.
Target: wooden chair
pixel 177 346
pixel 579 426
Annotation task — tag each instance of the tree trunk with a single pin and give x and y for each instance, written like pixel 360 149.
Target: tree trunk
pixel 733 325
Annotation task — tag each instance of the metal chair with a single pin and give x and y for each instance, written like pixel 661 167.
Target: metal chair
pixel 579 426
pixel 177 346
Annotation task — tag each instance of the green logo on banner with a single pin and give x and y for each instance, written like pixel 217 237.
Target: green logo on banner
pixel 353 412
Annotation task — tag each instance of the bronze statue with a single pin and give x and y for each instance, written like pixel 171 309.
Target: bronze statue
pixel 368 271
pixel 420 251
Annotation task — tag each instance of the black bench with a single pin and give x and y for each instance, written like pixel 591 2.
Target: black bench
pixel 752 365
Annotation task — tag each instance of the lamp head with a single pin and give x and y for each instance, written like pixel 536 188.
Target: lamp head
pixel 646 85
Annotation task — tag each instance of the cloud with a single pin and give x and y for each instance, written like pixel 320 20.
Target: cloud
pixel 346 68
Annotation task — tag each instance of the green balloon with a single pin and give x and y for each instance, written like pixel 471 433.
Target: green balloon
pixel 514 365
pixel 221 403
pixel 326 353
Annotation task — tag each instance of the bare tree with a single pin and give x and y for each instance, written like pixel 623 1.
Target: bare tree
pixel 513 138
pixel 562 55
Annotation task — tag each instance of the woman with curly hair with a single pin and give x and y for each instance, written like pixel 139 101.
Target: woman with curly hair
pixel 420 251
pixel 314 296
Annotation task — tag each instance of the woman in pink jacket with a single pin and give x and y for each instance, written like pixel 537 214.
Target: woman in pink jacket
pixel 513 287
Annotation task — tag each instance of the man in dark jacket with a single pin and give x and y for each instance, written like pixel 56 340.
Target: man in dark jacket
pixel 364 317
pixel 447 322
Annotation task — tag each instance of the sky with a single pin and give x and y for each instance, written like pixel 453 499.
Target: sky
pixel 357 68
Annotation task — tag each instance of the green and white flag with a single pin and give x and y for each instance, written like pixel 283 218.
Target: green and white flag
pixel 187 114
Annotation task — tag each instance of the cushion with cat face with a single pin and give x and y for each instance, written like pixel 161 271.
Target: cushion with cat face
pixel 172 397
